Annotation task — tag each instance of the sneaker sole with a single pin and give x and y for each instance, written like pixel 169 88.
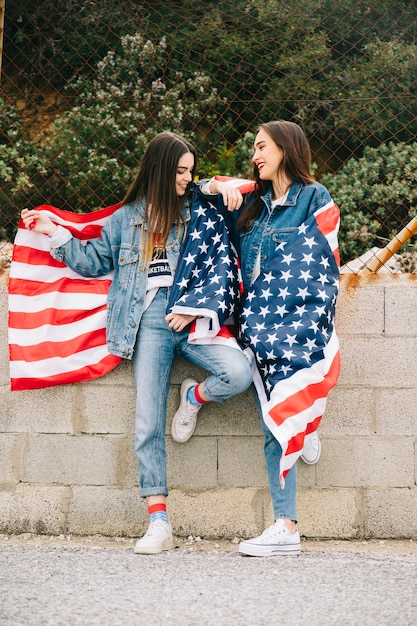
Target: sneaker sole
pixel 248 549
pixel 166 545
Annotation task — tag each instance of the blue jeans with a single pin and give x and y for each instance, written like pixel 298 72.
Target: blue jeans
pixel 283 500
pixel 156 347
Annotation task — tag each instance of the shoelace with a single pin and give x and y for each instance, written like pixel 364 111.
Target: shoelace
pixel 188 419
pixel 154 528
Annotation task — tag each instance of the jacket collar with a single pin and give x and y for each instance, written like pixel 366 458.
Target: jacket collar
pixel 292 196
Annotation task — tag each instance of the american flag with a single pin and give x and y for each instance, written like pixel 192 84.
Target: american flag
pixel 286 325
pixel 208 280
pixel 57 318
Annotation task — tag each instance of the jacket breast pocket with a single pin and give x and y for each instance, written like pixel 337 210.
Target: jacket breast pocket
pixel 128 265
pixel 283 234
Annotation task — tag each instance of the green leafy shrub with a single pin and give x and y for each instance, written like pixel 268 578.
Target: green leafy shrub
pixel 88 157
pixel 377 196
pixel 18 157
pixel 94 148
pixel 234 161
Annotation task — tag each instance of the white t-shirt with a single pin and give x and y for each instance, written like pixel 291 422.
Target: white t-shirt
pixel 159 275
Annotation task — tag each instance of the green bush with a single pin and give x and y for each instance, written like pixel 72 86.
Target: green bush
pixel 377 196
pixel 90 153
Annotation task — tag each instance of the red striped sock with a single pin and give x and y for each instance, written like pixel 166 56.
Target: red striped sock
pixel 158 511
pixel 198 396
pixel 159 506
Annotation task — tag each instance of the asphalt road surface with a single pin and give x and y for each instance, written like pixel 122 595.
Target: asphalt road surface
pixel 97 581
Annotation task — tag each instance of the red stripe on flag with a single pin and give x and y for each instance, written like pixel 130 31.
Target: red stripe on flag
pixel 244 185
pixel 296 444
pixel 34 256
pixel 328 222
pixel 52 296
pixel 80 218
pixel 306 397
pixel 62 349
pixel 328 219
pixel 88 372
pixel 53 317
pixel 22 287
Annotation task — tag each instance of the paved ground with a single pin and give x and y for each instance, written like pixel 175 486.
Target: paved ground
pixel 98 581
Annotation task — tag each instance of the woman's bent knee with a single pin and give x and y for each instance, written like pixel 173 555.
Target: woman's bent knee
pixel 241 374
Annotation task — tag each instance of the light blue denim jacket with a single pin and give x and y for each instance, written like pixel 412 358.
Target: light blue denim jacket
pixel 273 225
pixel 276 225
pixel 118 250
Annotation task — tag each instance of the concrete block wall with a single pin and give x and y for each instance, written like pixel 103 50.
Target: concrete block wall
pixel 67 464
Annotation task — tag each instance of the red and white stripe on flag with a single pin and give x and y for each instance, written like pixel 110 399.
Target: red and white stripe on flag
pixel 57 318
pixel 296 405
pixel 243 184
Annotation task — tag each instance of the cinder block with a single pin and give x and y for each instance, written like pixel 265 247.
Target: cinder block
pixel 38 410
pixel 72 460
pixel 307 474
pixel 391 513
pixel 241 462
pixel 40 509
pixel 349 411
pixel 360 307
pixel 396 411
pixel 192 465
pixel 109 409
pixel 11 450
pixel 106 511
pixel 220 513
pixel 366 462
pixel 378 361
pixel 330 513
pixel 401 320
pixel 120 376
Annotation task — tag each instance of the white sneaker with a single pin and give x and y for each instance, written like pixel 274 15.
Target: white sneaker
pixel 312 448
pixel 275 540
pixel 185 419
pixel 158 537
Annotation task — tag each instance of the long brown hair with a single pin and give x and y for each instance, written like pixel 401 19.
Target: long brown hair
pixel 295 164
pixel 155 181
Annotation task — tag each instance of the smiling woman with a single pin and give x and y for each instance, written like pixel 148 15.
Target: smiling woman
pixel 184 175
pixel 141 245
pixel 286 231
pixel 268 159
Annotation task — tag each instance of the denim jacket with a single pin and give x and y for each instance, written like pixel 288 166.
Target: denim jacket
pixel 118 251
pixel 276 225
pixel 273 225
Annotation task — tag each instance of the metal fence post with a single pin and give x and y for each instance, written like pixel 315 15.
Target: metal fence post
pixel 2 11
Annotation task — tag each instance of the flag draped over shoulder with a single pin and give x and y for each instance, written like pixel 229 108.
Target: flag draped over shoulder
pixel 207 281
pixel 57 318
pixel 286 326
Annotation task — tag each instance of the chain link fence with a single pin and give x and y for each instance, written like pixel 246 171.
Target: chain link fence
pixel 86 84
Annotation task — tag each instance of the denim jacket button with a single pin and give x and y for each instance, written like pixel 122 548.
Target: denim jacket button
pixel 133 324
